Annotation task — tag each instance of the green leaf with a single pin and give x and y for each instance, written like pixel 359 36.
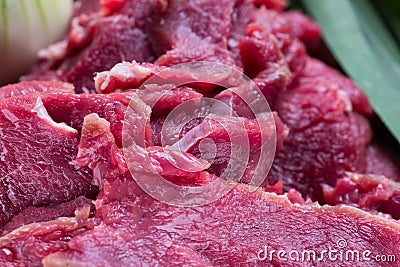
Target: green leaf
pixel 366 51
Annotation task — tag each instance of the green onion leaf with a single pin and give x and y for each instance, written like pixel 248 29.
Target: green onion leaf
pixel 366 50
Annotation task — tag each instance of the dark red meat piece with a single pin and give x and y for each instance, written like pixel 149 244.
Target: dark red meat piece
pixel 208 20
pixel 241 16
pixel 35 167
pixel 98 41
pixel 303 27
pixel 370 192
pixel 191 48
pixel 325 138
pixel 27 87
pixel 72 108
pixel 315 69
pixel 44 238
pixel 193 31
pixel 224 136
pixel 258 50
pixel 52 212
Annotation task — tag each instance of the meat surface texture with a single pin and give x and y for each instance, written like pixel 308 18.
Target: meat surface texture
pixel 148 232
pixel 193 133
pixel 35 167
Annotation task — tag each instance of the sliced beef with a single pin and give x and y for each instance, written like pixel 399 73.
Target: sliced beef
pixel 241 16
pixel 27 87
pixel 370 192
pixel 224 141
pixel 304 28
pixel 191 48
pixel 209 20
pixel 71 109
pixel 155 249
pixel 29 244
pixel 258 50
pixel 315 69
pixel 35 167
pixel 325 138
pixel 96 42
pixel 179 167
pixel 193 31
pixel 204 77
pixel 215 232
pixel 52 212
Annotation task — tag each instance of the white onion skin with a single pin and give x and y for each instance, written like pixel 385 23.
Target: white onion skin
pixel 25 27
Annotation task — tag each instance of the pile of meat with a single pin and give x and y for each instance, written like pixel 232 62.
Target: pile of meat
pixel 68 197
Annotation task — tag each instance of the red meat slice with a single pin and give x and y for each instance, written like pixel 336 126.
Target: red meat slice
pixel 155 249
pixel 224 138
pixel 52 212
pixel 242 13
pixel 27 87
pixel 35 167
pixel 72 108
pixel 16 248
pixel 325 138
pixel 369 192
pixel 215 232
pixel 315 69
pixel 98 41
pixel 191 48
pixel 304 28
pixel 193 31
pixel 258 50
pixel 207 20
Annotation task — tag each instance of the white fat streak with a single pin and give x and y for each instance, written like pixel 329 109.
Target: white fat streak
pixel 122 72
pixel 41 111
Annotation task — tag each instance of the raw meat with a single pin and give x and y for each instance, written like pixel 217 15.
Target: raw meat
pixel 370 192
pixel 96 42
pixel 35 165
pixel 52 212
pixel 325 138
pixel 43 238
pixel 133 223
pixel 28 87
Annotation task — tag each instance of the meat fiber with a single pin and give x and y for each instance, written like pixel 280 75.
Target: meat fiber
pixel 29 87
pixel 35 165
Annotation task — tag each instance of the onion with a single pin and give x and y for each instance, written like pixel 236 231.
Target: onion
pixel 25 27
